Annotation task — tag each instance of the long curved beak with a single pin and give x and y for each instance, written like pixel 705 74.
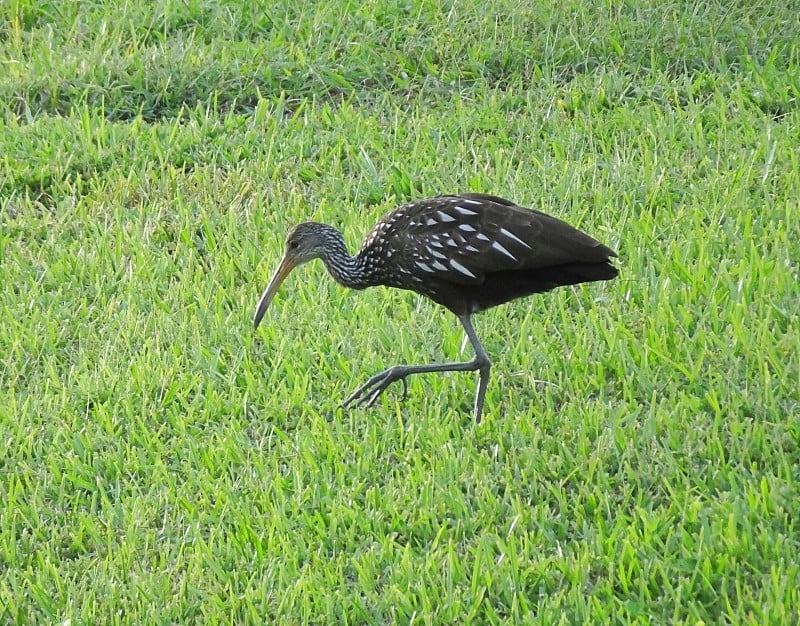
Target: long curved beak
pixel 285 267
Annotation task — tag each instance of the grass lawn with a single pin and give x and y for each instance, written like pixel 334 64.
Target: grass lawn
pixel 161 463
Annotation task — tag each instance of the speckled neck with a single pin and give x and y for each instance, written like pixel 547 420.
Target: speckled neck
pixel 347 270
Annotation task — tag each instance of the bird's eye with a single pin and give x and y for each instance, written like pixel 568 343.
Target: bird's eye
pixel 293 244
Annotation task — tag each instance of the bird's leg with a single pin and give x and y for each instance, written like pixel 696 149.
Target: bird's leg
pixel 368 393
pixel 484 365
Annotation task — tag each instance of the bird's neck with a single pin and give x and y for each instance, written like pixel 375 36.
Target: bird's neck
pixel 345 269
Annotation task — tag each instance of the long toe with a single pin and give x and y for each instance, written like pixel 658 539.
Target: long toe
pixel 405 390
pixel 380 383
pixel 360 395
pixel 368 393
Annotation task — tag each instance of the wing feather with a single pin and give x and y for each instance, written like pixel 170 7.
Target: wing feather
pixel 462 238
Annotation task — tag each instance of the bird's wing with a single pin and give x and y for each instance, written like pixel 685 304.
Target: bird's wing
pixel 462 238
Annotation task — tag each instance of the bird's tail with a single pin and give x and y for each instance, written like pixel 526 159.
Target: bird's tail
pixel 575 273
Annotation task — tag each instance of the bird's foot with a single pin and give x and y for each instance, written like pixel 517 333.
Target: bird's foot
pixel 368 393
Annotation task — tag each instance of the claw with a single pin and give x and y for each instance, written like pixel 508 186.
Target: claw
pixel 368 393
pixel 405 389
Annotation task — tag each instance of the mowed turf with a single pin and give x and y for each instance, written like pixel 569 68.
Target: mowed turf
pixel 160 462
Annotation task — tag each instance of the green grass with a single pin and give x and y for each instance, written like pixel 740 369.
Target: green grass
pixel 163 463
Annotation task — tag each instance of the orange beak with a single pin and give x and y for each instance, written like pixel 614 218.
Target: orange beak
pixel 286 266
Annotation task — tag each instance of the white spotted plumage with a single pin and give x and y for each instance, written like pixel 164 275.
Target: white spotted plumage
pixel 450 242
pixel 497 246
pixel 507 233
pixel 460 268
pixel 449 238
pixel 466 252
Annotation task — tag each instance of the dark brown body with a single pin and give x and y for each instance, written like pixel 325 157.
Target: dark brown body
pixel 508 252
pixel 468 252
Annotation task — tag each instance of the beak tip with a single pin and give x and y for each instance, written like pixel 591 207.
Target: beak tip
pixel 286 266
pixel 259 315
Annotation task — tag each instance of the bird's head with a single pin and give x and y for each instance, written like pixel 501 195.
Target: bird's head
pixel 304 242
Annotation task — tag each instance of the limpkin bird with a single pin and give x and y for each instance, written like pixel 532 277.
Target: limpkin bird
pixel 468 252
